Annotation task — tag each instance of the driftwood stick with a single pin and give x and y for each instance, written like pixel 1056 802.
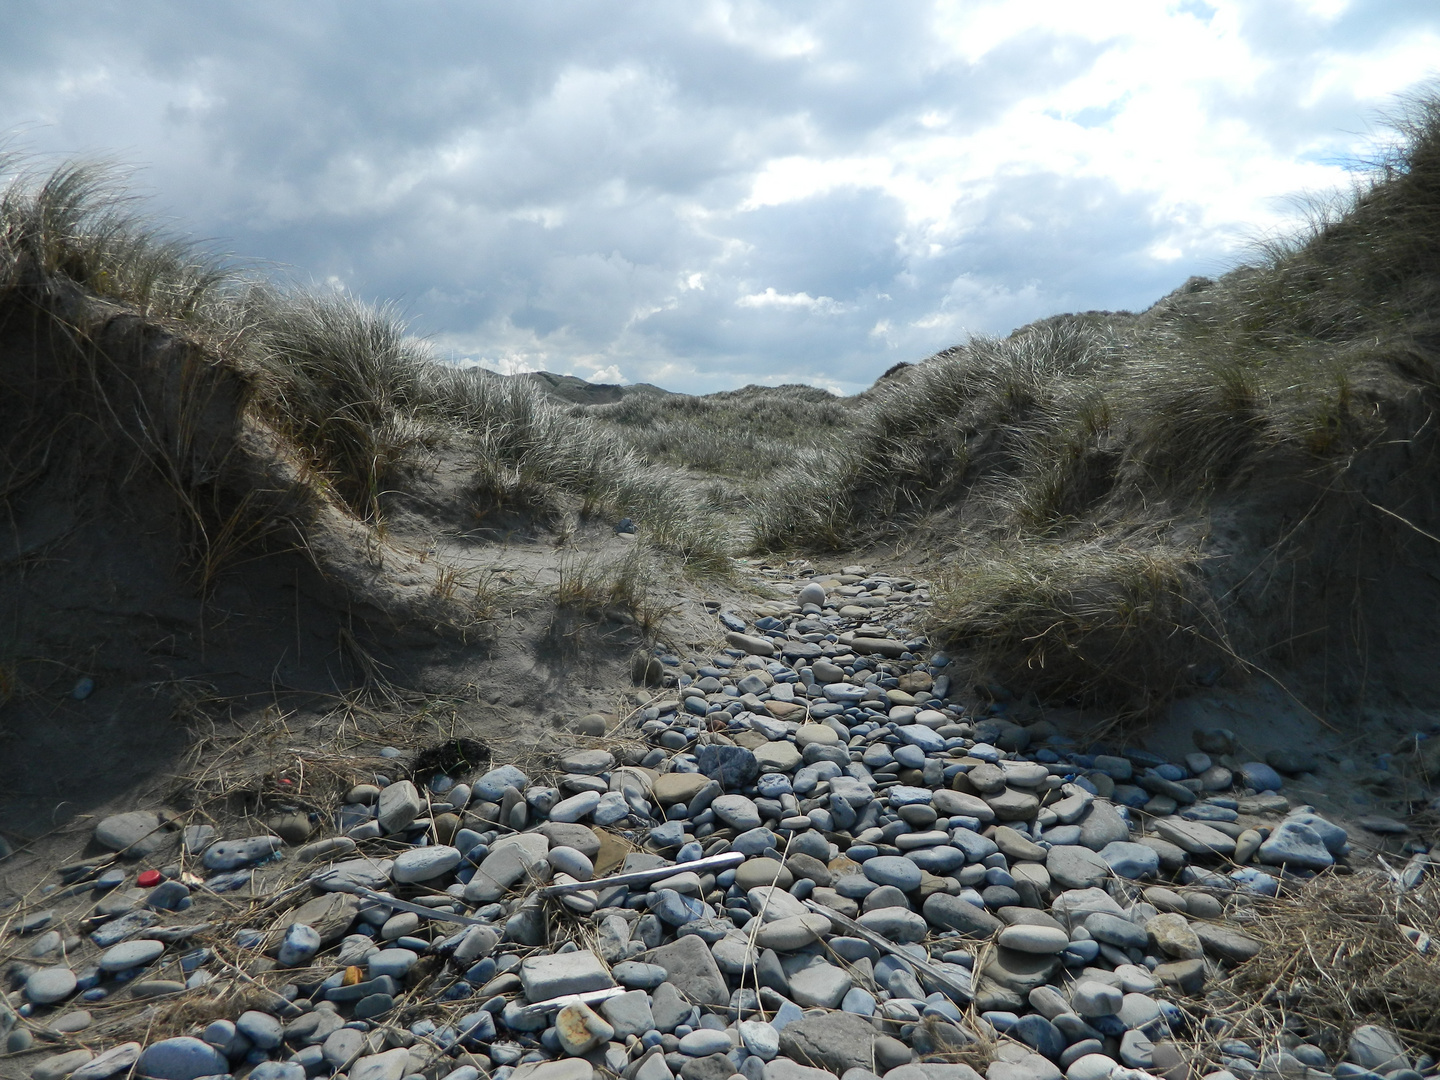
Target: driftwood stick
pixel 644 877
pixel 850 926
pixel 589 998
pixel 417 909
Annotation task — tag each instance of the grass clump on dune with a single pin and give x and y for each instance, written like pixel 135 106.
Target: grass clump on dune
pixel 1111 622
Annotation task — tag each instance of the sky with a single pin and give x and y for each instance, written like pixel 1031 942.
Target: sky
pixel 709 193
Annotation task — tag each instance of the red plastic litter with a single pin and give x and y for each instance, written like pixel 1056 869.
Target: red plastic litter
pixel 148 878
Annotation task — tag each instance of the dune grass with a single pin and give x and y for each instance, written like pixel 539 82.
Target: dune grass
pixel 353 399
pixel 743 434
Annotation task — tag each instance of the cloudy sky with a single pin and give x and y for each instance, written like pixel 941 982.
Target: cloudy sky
pixel 708 193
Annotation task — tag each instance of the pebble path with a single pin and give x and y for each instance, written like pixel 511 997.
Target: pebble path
pixel 830 871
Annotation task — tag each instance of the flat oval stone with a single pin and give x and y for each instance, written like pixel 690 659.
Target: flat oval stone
pixel 779 757
pixel 1074 867
pixel 1041 940
pixel 575 807
pixel 753 873
pixel 638 976
pixel 792 933
pixel 737 811
pixel 587 762
pixel 392 962
pixel 676 787
pixel 1012 805
pixel 896 923
pixel 425 863
pixel 59 1065
pixel 893 870
pixel 182 1058
pixel 260 1028
pixel 129 954
pixel 1092 1067
pixel 233 854
pixel 705 1042
pixel 73 1021
pixel 137 833
pixel 1134 861
pixel 567 860
pixel 49 985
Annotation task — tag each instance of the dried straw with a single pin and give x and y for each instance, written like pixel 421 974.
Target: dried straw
pixel 1340 952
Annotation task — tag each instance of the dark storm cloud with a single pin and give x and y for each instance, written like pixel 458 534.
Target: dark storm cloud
pixel 574 185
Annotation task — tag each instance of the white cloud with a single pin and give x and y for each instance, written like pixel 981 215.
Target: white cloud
pixel 801 300
pixel 609 374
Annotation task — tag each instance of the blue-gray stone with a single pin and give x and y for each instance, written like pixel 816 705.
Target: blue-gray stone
pixel 181 1058
pixel 925 738
pixel 491 787
pixel 1208 812
pixel 169 896
pixel 1335 839
pixel 939 860
pixel 281 1070
pixel 262 1029
pixel 392 962
pixel 49 985
pixel 977 848
pixel 773 785
pixel 903 795
pixel 1040 1035
pixel 912 757
pixel 1261 777
pixel 705 1042
pixel 1256 881
pixel 477 1027
pixel 638 976
pixel 753 842
pixel 896 923
pixel 299 945
pixel 1128 860
pixel 1297 846
pixel 893 870
pixel 676 909
pixel 130 954
pixel 374 1005
pixel 611 808
pixel 669 835
pixel 233 854
pixel 1080 952
pixel 1113 930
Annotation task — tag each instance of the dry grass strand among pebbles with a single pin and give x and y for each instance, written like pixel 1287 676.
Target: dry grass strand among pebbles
pixel 1337 956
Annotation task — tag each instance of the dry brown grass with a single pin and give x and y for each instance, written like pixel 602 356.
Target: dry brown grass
pixel 1340 952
